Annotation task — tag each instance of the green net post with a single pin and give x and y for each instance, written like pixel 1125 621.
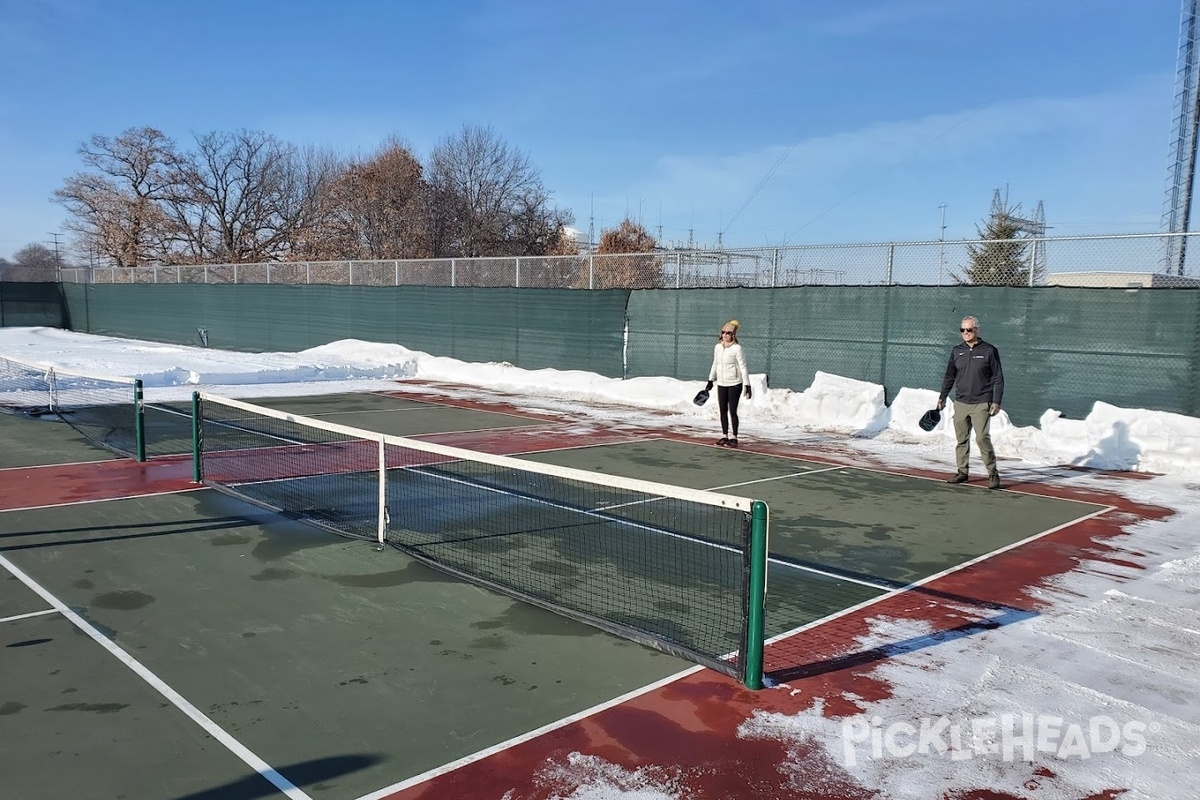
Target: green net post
pixel 752 673
pixel 139 421
pixel 197 472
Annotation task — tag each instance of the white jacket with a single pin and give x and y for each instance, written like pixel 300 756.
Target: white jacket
pixel 729 366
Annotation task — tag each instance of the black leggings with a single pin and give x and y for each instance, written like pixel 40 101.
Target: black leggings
pixel 727 401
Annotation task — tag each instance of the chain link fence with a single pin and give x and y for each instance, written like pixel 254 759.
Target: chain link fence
pixel 1129 260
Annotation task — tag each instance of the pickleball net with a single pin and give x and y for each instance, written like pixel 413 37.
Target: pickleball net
pixel 677 569
pixel 107 409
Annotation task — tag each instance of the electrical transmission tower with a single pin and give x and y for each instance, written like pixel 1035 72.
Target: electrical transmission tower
pixel 1182 171
pixel 1036 229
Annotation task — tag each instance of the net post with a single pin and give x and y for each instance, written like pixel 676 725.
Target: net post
pixel 382 526
pixel 52 385
pixel 197 471
pixel 752 671
pixel 139 420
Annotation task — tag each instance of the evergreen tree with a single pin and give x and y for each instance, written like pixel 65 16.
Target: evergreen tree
pixel 1001 258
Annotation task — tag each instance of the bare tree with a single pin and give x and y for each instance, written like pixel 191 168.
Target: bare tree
pixel 33 262
pixel 375 209
pixel 488 200
pixel 115 208
pixel 630 259
pixel 243 197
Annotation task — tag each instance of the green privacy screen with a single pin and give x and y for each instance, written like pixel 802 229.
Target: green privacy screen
pixel 531 328
pixel 1062 348
pixel 31 305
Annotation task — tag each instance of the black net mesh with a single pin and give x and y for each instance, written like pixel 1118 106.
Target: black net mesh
pixel 662 568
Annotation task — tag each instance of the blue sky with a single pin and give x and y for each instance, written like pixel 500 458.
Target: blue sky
pixel 766 122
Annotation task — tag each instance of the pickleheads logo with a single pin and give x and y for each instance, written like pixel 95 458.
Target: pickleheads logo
pixel 1009 737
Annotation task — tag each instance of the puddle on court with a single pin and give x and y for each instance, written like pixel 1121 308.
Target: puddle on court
pixel 275 574
pixel 123 600
pixel 94 708
pixel 413 572
pixel 526 619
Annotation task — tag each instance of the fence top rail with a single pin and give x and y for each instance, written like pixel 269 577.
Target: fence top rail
pixel 1024 260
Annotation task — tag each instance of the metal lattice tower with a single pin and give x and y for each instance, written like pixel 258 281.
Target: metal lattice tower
pixel 1182 171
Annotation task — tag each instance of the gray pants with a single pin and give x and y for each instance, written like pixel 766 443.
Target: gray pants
pixel 966 417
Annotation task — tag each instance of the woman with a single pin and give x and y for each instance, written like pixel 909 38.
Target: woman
pixel 730 374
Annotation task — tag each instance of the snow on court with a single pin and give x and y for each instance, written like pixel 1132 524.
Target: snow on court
pixel 1105 674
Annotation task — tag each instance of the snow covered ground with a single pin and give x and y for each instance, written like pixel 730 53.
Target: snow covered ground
pixel 1100 691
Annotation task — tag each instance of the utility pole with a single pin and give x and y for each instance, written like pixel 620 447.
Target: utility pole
pixel 942 245
pixel 57 260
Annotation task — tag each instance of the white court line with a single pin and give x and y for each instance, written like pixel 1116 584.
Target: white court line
pixel 176 699
pixel 516 740
pixel 67 464
pixel 775 478
pixel 942 574
pixel 1006 489
pixel 502 746
pixel 103 499
pixel 30 614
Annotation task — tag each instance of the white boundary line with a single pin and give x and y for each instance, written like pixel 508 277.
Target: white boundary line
pixel 103 500
pixel 777 478
pixel 115 457
pixel 292 791
pixel 211 728
pixel 30 614
pixel 1010 491
pixel 937 575
pixel 516 740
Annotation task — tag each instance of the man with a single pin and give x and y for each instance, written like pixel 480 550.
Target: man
pixel 974 371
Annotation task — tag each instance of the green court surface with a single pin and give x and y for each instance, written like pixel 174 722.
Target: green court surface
pixel 876 525
pixel 396 416
pixel 298 643
pixel 31 442
pixel 46 440
pixel 349 668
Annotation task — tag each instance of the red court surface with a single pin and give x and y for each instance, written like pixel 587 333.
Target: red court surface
pixel 685 733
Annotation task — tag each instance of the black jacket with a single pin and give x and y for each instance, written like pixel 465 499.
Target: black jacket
pixel 975 372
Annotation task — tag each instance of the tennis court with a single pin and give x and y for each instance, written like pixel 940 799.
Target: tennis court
pixel 234 652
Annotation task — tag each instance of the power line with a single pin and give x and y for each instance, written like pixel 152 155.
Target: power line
pixel 916 151
pixel 774 168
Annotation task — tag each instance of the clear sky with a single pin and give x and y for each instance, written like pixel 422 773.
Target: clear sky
pixel 766 122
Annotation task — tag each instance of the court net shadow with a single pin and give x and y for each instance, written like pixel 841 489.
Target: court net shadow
pixel 993 615
pixel 302 773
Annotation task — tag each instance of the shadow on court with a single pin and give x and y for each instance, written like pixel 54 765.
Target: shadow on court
pixel 297 643
pixel 305 773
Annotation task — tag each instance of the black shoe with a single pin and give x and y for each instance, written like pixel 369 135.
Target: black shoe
pixel 960 477
pixel 722 442
pixel 993 481
pixel 731 443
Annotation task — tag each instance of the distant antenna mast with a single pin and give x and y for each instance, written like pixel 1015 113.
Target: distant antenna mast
pixel 1182 172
